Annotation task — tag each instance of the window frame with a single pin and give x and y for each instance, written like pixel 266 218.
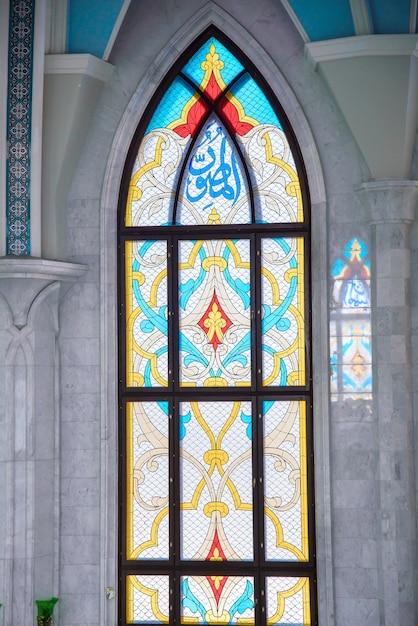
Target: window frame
pixel 174 393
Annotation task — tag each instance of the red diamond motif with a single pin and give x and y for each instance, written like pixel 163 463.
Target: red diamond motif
pixel 216 553
pixel 215 322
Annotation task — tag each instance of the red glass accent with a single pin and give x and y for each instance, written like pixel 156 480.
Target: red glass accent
pixel 231 113
pixel 215 322
pixel 216 553
pixel 212 89
pixel 197 111
pixel 194 117
pixel 355 266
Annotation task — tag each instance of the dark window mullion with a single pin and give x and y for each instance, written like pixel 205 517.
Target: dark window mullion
pixel 258 456
pixel 173 317
pixel 259 483
pixel 259 599
pixel 287 229
pixel 307 312
pixel 174 339
pixel 310 479
pixel 175 479
pixel 174 599
pixel 122 414
pixel 122 316
pixel 258 310
pixel 313 594
pixel 256 426
pixel 122 507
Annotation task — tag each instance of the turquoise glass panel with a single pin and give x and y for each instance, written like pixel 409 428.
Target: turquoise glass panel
pixel 232 67
pixel 282 323
pixel 171 105
pixel 254 101
pixel 146 313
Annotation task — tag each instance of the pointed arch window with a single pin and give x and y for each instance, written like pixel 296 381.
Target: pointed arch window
pixel 350 324
pixel 216 523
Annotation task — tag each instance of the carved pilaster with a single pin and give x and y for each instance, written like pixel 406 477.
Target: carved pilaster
pixel 29 430
pixel 392 204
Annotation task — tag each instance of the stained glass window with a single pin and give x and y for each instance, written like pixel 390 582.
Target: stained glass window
pixel 216 523
pixel 350 324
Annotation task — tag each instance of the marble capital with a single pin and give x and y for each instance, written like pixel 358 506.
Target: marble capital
pixel 390 200
pixel 22 279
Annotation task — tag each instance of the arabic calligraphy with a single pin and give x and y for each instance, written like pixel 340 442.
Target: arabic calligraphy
pixel 213 170
pixel 355 294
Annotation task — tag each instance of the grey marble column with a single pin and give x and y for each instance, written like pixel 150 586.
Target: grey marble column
pixel 29 432
pixel 392 205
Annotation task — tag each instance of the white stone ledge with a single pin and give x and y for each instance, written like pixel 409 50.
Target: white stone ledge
pixel 31 267
pixel 86 64
pixel 362 46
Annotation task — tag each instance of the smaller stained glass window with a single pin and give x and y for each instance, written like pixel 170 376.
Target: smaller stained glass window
pixel 350 324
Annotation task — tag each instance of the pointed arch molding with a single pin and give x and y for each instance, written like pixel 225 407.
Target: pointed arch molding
pixel 213 15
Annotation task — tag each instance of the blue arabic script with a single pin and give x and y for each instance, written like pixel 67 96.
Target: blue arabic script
pixel 355 294
pixel 210 173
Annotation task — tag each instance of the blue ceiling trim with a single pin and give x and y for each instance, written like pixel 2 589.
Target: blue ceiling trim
pixel 324 19
pixel 90 24
pixel 390 16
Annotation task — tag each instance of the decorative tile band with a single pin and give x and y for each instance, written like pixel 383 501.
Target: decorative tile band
pixel 21 26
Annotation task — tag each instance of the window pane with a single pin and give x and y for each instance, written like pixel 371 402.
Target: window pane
pixel 214 188
pixel 217 599
pixel 283 321
pixel 225 62
pixel 285 480
pixel 214 394
pixel 216 480
pixel 214 313
pixel 147 480
pixel 146 313
pixel 147 599
pixel 288 601
pixel 276 186
pixel 161 152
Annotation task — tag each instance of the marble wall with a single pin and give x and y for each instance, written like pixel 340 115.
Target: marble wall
pixel 58 347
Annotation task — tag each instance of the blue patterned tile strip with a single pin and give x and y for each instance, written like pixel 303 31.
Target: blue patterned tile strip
pixel 19 126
